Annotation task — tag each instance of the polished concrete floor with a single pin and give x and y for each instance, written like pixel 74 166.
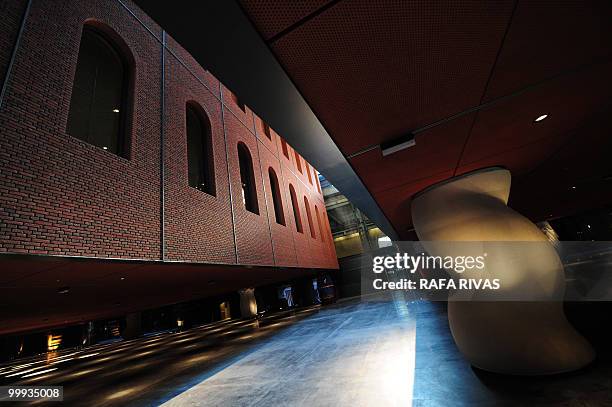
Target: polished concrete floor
pixel 355 353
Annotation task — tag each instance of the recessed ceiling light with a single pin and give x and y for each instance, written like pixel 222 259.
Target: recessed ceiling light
pixel 573 187
pixel 115 110
pixel 540 118
pixel 104 148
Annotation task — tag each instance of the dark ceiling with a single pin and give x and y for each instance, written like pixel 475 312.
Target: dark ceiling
pixel 106 288
pixel 468 78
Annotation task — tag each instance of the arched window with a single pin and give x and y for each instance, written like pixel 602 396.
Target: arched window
pixel 237 101
pixel 276 197
pixel 309 216
pixel 320 224
pixel 328 229
pixel 267 131
pixel 99 102
pixel 247 179
pixel 308 172
pixel 296 210
pixel 284 146
pixel 298 161
pixel 199 150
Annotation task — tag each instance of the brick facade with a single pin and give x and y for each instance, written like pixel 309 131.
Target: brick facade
pixel 62 196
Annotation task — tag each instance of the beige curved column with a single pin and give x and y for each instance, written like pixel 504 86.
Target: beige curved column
pixel 527 337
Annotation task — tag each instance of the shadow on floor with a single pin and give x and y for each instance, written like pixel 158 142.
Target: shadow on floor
pixel 443 377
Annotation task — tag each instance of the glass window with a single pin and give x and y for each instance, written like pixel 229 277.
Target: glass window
pixel 99 94
pixel 320 224
pixel 296 210
pixel 199 150
pixel 298 161
pixel 276 197
pixel 284 146
pixel 247 179
pixel 308 172
pixel 309 216
pixel 238 102
pixel 266 129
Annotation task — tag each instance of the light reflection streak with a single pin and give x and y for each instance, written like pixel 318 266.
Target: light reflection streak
pixel 39 373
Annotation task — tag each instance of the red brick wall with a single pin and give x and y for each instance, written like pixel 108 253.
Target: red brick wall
pixel 58 194
pixel 61 196
pixel 12 13
pixel 194 218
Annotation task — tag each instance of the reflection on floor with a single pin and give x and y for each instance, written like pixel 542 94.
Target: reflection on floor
pixel 356 354
pixel 369 353
pixel 147 370
pixel 442 374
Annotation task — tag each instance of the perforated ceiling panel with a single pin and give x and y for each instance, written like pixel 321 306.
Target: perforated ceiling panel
pixel 576 177
pixel 372 72
pixel 547 38
pixel 568 101
pixel 436 151
pixel 271 17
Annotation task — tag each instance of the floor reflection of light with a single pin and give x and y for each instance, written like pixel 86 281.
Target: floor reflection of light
pixel 138 355
pixel 395 378
pixel 88 355
pixel 151 345
pixel 194 359
pixel 372 365
pixel 104 359
pixel 183 340
pixel 27 371
pixel 244 337
pixel 81 373
pixel 47 361
pixel 123 393
pixel 40 372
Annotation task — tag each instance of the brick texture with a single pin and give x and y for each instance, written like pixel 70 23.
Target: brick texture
pixel 62 196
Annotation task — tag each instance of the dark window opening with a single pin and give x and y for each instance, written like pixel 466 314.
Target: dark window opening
pixel 99 102
pixel 266 129
pixel 326 219
pixel 247 179
pixel 308 172
pixel 309 216
pixel 199 151
pixel 238 102
pixel 284 146
pixel 276 197
pixel 296 210
pixel 320 224
pixel 298 161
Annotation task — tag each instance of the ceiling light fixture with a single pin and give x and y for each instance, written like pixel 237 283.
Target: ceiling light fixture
pixel 397 144
pixel 115 110
pixel 540 118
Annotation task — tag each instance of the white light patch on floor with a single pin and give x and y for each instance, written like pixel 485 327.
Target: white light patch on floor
pixel 363 355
